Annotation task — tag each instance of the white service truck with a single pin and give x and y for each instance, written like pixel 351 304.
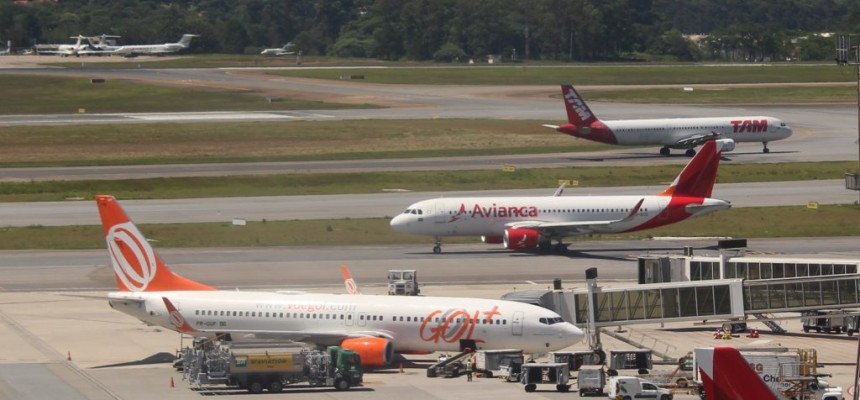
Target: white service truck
pixel 632 387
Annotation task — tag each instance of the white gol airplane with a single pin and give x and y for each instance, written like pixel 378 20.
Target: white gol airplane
pixel 671 133
pixel 156 49
pixel 523 223
pixel 288 49
pixel 373 326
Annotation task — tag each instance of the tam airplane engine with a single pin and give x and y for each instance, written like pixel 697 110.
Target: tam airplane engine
pixel 520 239
pixel 374 352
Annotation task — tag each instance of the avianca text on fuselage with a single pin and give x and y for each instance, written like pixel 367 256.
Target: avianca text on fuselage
pixel 671 133
pixel 494 211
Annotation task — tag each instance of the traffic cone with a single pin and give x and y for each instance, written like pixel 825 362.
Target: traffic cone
pixel 69 356
pixel 171 382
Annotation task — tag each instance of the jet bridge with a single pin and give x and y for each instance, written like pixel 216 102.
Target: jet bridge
pixel 663 302
pixel 724 299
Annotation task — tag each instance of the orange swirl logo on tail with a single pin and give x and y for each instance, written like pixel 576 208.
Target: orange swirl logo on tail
pixel 133 259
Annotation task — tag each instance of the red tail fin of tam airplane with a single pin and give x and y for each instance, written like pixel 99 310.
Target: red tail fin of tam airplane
pixel 726 375
pixel 578 113
pixel 582 122
pixel 135 264
pixel 698 177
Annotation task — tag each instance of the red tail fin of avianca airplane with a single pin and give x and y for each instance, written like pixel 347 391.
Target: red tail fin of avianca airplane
pixel 698 177
pixel 351 286
pixel 726 375
pixel 135 264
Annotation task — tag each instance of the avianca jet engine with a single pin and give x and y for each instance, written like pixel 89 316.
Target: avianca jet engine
pixel 525 223
pixel 520 239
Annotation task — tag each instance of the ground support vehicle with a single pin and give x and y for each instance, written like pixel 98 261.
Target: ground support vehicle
pixel 591 379
pixel 639 359
pixel 403 282
pixel 534 374
pixel 631 387
pixel 271 368
pixel 576 359
pixel 819 321
pixel 488 362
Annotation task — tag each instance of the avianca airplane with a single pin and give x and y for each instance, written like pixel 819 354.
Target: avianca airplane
pixel 522 223
pixel 671 133
pixel 373 326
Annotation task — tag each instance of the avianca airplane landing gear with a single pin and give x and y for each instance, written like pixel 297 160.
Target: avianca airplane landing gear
pixel 545 246
pixel 437 248
pixel 765 150
pixel 664 151
pixel 690 152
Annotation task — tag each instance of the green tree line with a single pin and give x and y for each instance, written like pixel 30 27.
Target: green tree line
pixel 447 30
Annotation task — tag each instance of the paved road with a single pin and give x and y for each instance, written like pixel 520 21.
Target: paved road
pixel 281 208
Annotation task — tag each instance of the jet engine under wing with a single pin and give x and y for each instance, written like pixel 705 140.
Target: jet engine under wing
pixel 691 142
pixel 571 228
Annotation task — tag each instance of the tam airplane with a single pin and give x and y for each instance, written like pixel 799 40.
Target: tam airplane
pixel 523 223
pixel 671 133
pixel 373 326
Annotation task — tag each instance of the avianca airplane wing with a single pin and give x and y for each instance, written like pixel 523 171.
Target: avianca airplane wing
pixel 575 227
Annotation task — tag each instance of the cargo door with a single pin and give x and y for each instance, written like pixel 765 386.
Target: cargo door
pixel 517 323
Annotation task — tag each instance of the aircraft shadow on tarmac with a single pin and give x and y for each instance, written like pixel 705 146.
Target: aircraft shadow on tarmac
pixel 157 358
pixel 288 389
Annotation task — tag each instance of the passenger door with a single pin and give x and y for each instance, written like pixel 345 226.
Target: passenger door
pixel 517 324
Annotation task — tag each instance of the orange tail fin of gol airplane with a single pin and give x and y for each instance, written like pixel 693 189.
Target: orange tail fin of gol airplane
pixel 351 286
pixel 135 264
pixel 698 177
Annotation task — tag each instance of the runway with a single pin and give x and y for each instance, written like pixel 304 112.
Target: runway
pixel 388 204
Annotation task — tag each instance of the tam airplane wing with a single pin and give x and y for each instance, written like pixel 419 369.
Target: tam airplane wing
pixel 690 142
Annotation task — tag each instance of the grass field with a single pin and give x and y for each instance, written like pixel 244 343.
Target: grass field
pixel 25 94
pixel 601 74
pixel 275 141
pixel 729 95
pixel 739 222
pixel 376 182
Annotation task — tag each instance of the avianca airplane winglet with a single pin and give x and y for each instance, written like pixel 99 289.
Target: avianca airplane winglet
pixel 135 264
pixel 670 133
